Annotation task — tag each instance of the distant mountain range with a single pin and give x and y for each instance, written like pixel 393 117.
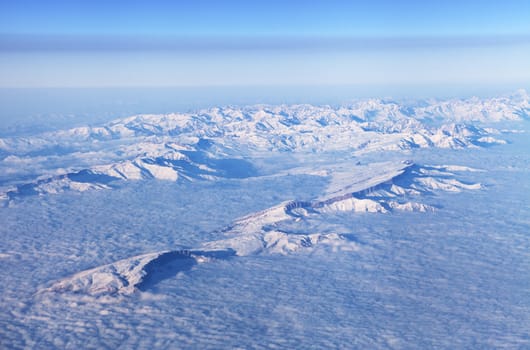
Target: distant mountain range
pixel 223 142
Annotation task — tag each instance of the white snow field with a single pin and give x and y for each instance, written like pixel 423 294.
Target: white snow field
pixel 373 225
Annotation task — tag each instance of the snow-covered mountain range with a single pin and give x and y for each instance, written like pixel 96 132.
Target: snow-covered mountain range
pixel 224 142
pixel 378 224
pixel 282 229
pixel 238 143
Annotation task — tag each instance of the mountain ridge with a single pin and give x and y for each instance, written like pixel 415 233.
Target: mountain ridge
pixel 222 142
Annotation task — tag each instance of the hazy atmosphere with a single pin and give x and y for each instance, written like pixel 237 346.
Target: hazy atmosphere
pixel 205 43
pixel 264 174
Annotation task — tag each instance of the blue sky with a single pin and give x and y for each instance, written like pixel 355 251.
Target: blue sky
pixel 239 43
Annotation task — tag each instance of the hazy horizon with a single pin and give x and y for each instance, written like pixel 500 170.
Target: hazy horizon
pixel 206 43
